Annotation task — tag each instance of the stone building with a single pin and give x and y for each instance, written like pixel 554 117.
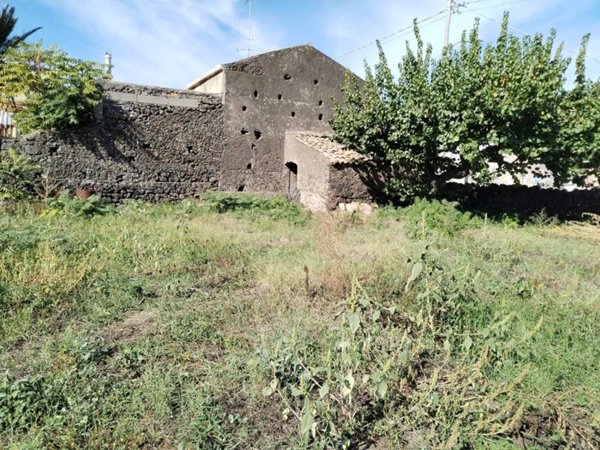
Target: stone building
pixel 325 175
pixel 225 132
pixel 263 97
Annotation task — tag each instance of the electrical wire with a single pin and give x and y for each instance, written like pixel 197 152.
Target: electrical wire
pixel 394 35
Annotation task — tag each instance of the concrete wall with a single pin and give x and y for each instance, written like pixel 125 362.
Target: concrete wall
pixel 147 143
pixel 265 96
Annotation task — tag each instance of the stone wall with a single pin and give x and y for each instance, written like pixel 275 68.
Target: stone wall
pixel 353 183
pixel 147 143
pixel 525 201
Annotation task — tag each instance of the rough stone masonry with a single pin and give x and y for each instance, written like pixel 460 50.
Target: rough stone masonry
pixel 146 143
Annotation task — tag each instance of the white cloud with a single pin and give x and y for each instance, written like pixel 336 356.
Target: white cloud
pixel 166 42
pixel 171 42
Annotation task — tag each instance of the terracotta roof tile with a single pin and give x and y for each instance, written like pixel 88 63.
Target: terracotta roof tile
pixel 334 151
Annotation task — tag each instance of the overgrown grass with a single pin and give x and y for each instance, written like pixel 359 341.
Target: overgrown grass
pixel 243 322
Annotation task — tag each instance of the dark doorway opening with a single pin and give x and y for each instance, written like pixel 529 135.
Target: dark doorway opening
pixel 292 180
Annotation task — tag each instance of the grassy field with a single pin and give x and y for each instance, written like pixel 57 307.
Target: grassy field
pixel 246 323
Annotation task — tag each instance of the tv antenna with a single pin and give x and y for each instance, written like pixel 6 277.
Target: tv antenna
pixel 249 3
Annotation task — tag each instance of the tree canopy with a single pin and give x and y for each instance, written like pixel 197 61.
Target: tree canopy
pixel 8 21
pixel 57 90
pixel 447 118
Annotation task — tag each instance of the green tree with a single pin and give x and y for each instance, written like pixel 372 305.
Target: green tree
pixel 59 90
pixel 8 21
pixel 446 118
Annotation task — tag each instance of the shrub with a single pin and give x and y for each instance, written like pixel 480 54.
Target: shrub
pixel 17 176
pixel 69 205
pixel 273 207
pixel 60 91
pixel 22 402
pixel 424 217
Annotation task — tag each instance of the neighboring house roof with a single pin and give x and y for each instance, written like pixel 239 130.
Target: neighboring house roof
pixel 207 76
pixel 336 153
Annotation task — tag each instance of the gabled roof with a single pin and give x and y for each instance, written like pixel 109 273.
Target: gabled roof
pixel 336 153
pixel 254 59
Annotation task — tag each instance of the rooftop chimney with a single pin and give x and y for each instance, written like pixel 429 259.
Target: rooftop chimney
pixel 108 65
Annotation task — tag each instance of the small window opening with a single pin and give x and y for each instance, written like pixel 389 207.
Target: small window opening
pixel 244 131
pixel 320 116
pixel 249 166
pixel 293 114
pixel 320 102
pixel 316 81
pixel 287 76
pixel 244 108
pixel 255 93
pixel 279 97
pixel 241 188
pixel 257 134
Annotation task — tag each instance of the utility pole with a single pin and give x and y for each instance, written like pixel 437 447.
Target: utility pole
pixel 453 7
pixel 448 17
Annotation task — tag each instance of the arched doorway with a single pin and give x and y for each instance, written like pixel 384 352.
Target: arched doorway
pixel 292 180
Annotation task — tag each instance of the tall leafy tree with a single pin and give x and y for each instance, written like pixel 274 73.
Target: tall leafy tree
pixel 505 103
pixel 8 21
pixel 58 91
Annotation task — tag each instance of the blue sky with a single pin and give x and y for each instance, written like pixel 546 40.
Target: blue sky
pixel 172 42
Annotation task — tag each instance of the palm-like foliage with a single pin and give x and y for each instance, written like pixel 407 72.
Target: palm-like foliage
pixel 7 26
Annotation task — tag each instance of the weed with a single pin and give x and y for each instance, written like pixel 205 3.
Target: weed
pixel 17 176
pixel 68 205
pixel 139 329
pixel 424 217
pixel 273 207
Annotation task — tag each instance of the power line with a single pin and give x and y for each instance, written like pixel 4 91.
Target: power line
pixel 389 36
pixel 480 8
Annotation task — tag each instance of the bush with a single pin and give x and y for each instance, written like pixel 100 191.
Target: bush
pixel 272 207
pixel 60 91
pixel 22 402
pixel 17 176
pixel 424 217
pixel 69 205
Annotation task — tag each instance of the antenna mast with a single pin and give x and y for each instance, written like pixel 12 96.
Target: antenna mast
pixel 249 2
